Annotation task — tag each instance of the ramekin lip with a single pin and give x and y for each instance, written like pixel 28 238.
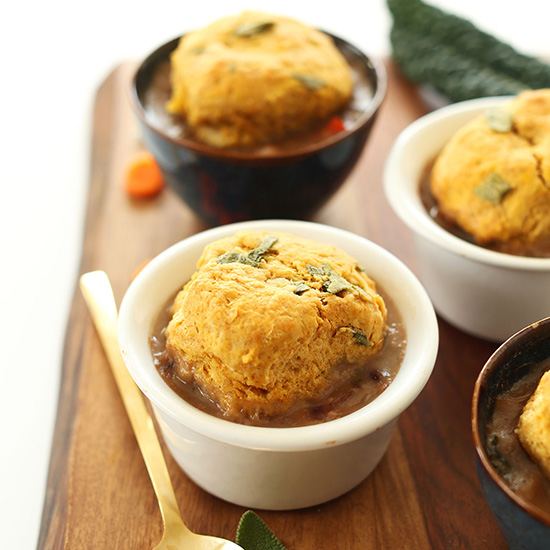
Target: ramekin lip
pixel 414 215
pixel 383 410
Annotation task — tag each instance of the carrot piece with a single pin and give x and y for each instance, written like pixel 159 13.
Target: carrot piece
pixel 335 125
pixel 143 177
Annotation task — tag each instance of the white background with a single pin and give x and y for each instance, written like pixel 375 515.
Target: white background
pixel 54 56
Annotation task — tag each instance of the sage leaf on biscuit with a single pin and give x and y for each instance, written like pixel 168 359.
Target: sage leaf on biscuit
pixel 324 270
pixel 336 284
pixel 252 28
pixel 253 258
pixel 310 82
pixel 300 287
pixel 333 282
pixel 197 50
pixel 361 338
pixel 256 254
pixel 232 257
pixel 493 188
pixel 499 120
pixel 358 336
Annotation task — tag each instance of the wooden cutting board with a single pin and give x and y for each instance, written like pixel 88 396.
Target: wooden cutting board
pixel 424 494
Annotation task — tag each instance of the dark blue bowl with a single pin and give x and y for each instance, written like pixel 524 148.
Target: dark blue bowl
pixel 522 524
pixel 224 186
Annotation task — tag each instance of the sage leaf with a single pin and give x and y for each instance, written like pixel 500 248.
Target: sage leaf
pixel 336 284
pixel 253 258
pixel 333 282
pixel 197 50
pixel 499 120
pixel 492 189
pixel 254 534
pixel 231 257
pixel 252 28
pixel 358 336
pixel 300 287
pixel 324 270
pixel 361 338
pixel 256 254
pixel 310 82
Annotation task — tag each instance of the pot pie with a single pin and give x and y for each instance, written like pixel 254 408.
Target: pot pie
pixel 271 324
pixel 492 179
pixel 256 78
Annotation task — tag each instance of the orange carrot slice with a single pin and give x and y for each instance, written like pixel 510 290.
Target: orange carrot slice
pixel 143 178
pixel 335 125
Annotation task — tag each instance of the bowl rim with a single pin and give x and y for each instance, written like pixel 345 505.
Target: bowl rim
pixel 400 393
pixel 486 372
pixel 375 66
pixel 400 193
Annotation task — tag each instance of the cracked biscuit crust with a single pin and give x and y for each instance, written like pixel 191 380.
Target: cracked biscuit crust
pixel 518 219
pixel 259 338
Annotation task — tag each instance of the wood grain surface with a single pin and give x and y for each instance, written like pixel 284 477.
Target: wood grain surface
pixel 423 495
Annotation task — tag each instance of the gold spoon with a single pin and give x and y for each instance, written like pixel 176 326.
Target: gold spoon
pixel 98 294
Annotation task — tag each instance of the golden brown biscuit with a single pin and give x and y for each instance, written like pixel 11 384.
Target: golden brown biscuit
pixel 260 328
pixel 493 177
pixel 533 428
pixel 256 78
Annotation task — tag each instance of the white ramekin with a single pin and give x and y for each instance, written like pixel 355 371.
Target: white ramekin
pixel 277 468
pixel 485 293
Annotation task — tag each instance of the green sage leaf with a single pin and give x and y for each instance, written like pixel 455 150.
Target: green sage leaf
pixel 358 336
pixel 499 120
pixel 336 284
pixel 197 50
pixel 493 188
pixel 254 534
pixel 361 338
pixel 310 82
pixel 253 258
pixel 253 28
pixel 333 282
pixel 324 270
pixel 301 287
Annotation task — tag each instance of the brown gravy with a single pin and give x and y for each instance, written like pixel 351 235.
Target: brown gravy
pixel 346 394
pixel 431 206
pixel 175 126
pixel 504 449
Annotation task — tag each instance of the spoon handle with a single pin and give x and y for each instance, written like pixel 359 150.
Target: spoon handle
pixel 98 294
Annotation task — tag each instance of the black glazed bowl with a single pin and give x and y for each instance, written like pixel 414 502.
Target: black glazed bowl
pixel 522 524
pixel 224 186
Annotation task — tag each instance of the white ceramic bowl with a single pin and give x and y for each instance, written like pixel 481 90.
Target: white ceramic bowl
pixel 482 292
pixel 277 468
